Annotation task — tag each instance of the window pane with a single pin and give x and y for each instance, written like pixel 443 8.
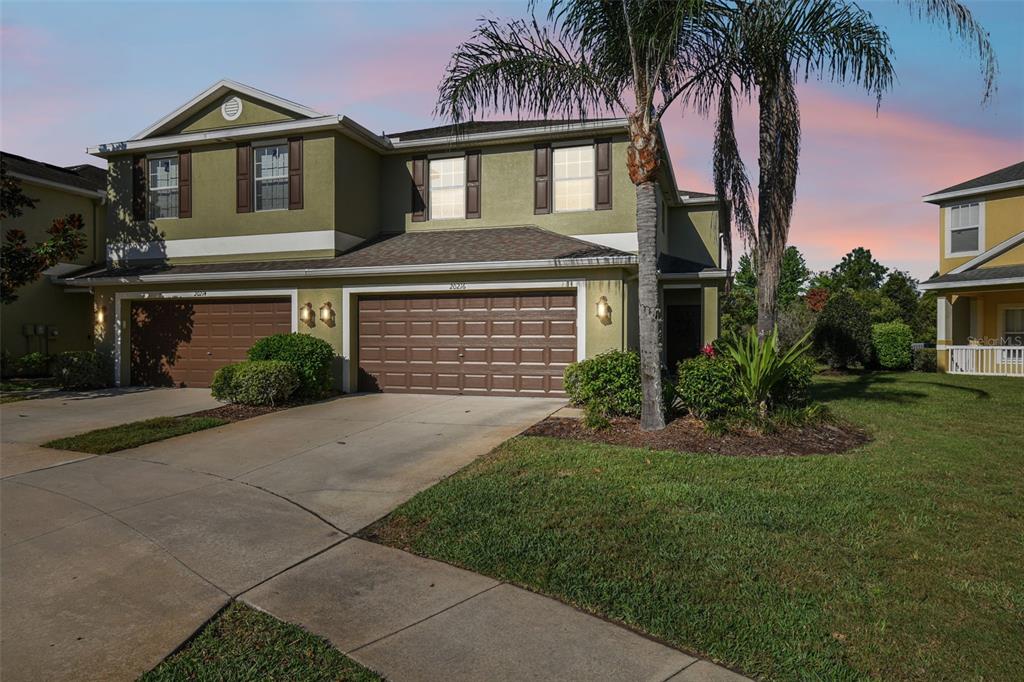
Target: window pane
pixel 974 214
pixel 1013 320
pixel 574 195
pixel 447 203
pixel 574 178
pixel 271 162
pixel 163 203
pixel 163 172
pixel 271 194
pixel 447 188
pixel 963 240
pixel 163 188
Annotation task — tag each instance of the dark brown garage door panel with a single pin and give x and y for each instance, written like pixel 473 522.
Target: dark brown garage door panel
pixel 182 342
pixel 515 344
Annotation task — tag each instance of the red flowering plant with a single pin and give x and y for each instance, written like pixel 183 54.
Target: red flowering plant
pixel 708 351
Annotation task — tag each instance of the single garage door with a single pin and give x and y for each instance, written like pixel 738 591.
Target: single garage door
pixel 500 344
pixel 182 342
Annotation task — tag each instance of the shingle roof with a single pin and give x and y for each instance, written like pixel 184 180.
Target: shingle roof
pixel 1008 174
pixel 474 127
pixel 979 274
pixel 435 247
pixel 83 176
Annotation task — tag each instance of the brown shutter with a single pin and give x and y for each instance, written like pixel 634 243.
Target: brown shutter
pixel 243 178
pixel 185 184
pixel 542 179
pixel 419 189
pixel 473 184
pixel 139 187
pixel 603 175
pixel 294 173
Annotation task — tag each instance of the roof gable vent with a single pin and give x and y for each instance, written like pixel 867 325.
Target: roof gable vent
pixel 231 109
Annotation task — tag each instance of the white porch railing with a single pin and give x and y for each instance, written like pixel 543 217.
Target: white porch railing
pixel 1000 361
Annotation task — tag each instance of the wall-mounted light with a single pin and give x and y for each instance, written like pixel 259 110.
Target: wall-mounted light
pixel 306 312
pixel 604 311
pixel 101 314
pixel 326 312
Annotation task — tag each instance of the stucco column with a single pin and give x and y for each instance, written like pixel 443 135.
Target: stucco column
pixel 709 313
pixel 943 330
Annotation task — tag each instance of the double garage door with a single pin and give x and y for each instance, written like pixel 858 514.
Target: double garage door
pixel 499 344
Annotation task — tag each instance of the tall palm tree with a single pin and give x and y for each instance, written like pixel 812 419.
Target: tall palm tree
pixel 770 45
pixel 633 57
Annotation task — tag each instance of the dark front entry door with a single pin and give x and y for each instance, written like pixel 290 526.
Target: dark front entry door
pixel 682 333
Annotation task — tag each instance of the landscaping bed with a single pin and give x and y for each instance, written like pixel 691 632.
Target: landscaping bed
pixel 687 434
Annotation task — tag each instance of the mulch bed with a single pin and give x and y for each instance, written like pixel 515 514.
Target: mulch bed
pixel 236 413
pixel 687 434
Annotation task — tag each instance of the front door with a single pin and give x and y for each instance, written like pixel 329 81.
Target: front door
pixel 682 333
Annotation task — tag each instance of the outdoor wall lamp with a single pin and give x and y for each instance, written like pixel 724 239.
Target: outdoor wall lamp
pixel 101 314
pixel 604 311
pixel 326 312
pixel 306 312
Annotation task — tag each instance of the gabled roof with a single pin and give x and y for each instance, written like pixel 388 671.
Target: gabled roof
pixel 1004 178
pixel 89 179
pixel 997 276
pixel 218 90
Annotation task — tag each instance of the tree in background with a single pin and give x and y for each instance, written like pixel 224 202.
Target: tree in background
pixel 739 306
pixel 842 333
pixel 858 271
pixel 901 289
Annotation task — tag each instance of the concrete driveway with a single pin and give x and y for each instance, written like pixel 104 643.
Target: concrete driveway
pixel 109 563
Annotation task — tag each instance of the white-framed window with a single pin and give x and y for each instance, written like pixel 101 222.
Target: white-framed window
pixel 163 187
pixel 448 188
pixel 270 177
pixel 1012 326
pixel 965 229
pixel 574 178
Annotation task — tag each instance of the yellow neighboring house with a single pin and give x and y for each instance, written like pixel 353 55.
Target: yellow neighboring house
pixel 980 285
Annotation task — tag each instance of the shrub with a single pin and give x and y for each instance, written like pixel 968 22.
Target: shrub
pixel 842 334
pixel 81 369
pixel 311 357
pixel 609 384
pixel 29 365
pixel 706 386
pixel 925 360
pixel 795 321
pixel 256 382
pixel 891 341
pixel 761 369
pixel 794 388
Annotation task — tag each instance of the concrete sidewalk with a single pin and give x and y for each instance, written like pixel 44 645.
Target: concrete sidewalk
pixel 410 618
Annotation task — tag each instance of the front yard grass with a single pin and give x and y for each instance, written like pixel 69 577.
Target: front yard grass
pixel 245 644
pixel 134 434
pixel 903 559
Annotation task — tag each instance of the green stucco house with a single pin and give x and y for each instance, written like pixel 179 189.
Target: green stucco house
pixel 482 260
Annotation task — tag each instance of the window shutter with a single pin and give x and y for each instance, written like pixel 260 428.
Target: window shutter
pixel 139 187
pixel 185 184
pixel 419 189
pixel 294 173
pixel 542 179
pixel 473 184
pixel 243 182
pixel 603 175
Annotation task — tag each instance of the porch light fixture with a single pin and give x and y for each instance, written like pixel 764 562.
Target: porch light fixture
pixel 604 311
pixel 101 314
pixel 306 312
pixel 326 312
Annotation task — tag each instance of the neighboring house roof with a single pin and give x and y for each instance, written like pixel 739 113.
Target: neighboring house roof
pixel 82 177
pixel 1002 274
pixel 521 246
pixel 1004 178
pixel 477 127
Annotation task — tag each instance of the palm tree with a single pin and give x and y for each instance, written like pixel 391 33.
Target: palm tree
pixel 633 57
pixel 769 46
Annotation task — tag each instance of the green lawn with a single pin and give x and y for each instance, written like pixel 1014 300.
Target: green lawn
pixel 901 560
pixel 12 391
pixel 245 644
pixel 134 434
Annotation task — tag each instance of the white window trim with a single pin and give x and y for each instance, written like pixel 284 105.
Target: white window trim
pixel 156 156
pixel 430 186
pixel 949 230
pixel 554 181
pixel 1001 327
pixel 255 180
pixel 348 294
pixel 120 297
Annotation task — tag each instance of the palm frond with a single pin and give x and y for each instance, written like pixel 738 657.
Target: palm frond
pixel 732 187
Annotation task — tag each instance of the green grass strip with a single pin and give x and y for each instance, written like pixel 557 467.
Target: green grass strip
pixel 124 436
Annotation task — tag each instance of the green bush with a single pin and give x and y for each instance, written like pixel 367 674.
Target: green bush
pixel 256 382
pixel 794 388
pixel 311 357
pixel 30 365
pixel 891 342
pixel 706 386
pixel 925 360
pixel 761 369
pixel 842 333
pixel 609 384
pixel 77 370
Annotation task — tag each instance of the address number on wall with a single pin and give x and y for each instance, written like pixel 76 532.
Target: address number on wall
pixel 457 286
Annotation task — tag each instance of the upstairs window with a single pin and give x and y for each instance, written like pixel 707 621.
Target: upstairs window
pixel 964 233
pixel 270 177
pixel 163 187
pixel 447 188
pixel 574 178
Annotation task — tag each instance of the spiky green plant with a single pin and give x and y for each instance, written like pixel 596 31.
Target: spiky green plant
pixel 761 366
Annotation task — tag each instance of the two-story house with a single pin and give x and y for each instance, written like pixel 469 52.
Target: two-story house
pixel 48 317
pixel 980 285
pixel 477 260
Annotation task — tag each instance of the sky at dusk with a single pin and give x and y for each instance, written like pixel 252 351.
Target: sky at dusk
pixel 81 73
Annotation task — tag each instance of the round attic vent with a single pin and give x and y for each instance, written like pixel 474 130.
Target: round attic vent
pixel 231 109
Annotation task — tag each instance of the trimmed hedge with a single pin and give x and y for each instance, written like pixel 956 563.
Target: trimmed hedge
pixel 29 366
pixel 706 386
pixel 892 341
pixel 609 384
pixel 842 333
pixel 256 382
pixel 311 358
pixel 925 360
pixel 77 370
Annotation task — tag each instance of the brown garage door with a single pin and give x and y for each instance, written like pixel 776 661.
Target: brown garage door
pixel 183 342
pixel 502 344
